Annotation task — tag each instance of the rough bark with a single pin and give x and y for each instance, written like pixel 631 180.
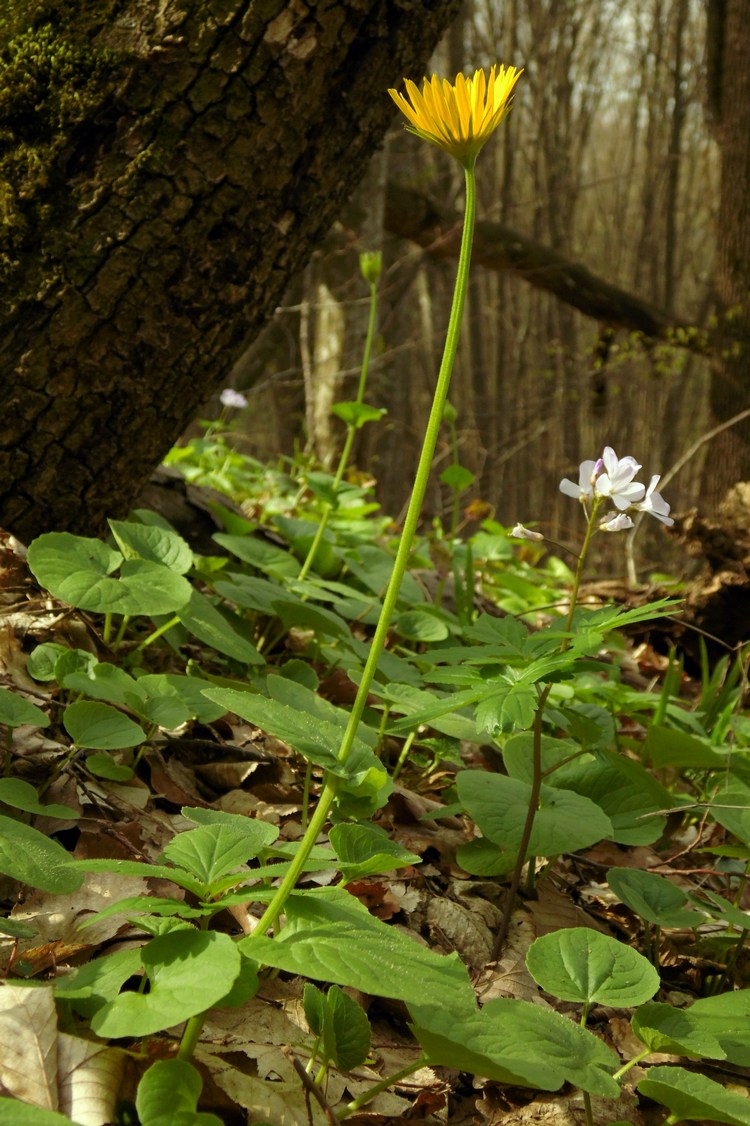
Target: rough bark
pixel 151 217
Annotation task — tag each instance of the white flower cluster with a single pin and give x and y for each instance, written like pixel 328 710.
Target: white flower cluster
pixel 612 476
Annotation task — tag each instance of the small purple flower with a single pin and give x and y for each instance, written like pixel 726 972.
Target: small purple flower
pixel 655 504
pixel 231 398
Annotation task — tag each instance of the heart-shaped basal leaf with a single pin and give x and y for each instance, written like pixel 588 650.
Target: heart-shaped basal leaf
pixel 16 710
pixel 693 1098
pixel 580 964
pixel 653 898
pixel 168 1096
pixel 78 570
pixel 564 821
pixel 149 541
pixel 663 1028
pixel 519 1043
pixel 189 971
pixel 100 727
pixel 35 859
pixel 331 936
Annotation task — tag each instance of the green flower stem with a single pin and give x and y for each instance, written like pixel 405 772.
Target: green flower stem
pixel 190 1037
pixel 351 431
pixel 276 906
pixel 537 774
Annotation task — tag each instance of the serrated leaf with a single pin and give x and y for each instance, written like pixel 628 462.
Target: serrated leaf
pixel 364 851
pixel 580 964
pixel 212 851
pixel 693 1098
pixel 330 936
pixel 519 1043
pixel 346 1037
pixel 663 1028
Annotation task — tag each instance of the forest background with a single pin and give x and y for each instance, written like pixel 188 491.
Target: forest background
pixel 607 162
pixel 167 179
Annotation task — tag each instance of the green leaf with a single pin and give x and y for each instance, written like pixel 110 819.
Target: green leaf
pixel 187 689
pixel 78 570
pixel 418 625
pixel 715 906
pixel 331 936
pixel 519 1043
pixel 99 981
pixel 564 821
pixel 346 1035
pixel 363 850
pixel 189 971
pixel 22 795
pixel 42 660
pixel 357 414
pixel 663 1028
pixel 104 682
pixel 101 727
pixel 35 859
pixel 213 851
pixel 731 809
pixel 457 477
pixel 216 629
pixel 311 726
pixel 102 765
pixel 580 964
pixel 252 593
pixel 654 898
pixel 693 1098
pixel 261 554
pixel 666 746
pixel 158 545
pixel 314 1004
pixel 727 1018
pixel 316 618
pixel 168 1096
pixel 15 1113
pixel 16 710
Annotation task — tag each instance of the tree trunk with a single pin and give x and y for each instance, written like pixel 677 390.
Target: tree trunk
pixel 164 170
pixel 729 91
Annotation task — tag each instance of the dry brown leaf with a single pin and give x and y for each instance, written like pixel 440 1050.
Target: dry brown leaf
pixel 455 927
pixel 59 917
pixel 88 1079
pixel 28 1044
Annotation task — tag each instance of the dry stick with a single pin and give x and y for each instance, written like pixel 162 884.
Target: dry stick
pixel 310 1085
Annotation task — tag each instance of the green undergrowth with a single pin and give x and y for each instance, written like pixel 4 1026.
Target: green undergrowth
pixel 255 631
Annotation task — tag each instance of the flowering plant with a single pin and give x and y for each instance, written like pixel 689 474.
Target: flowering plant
pixel 612 476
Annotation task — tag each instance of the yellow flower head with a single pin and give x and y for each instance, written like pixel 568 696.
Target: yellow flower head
pixel 458 116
